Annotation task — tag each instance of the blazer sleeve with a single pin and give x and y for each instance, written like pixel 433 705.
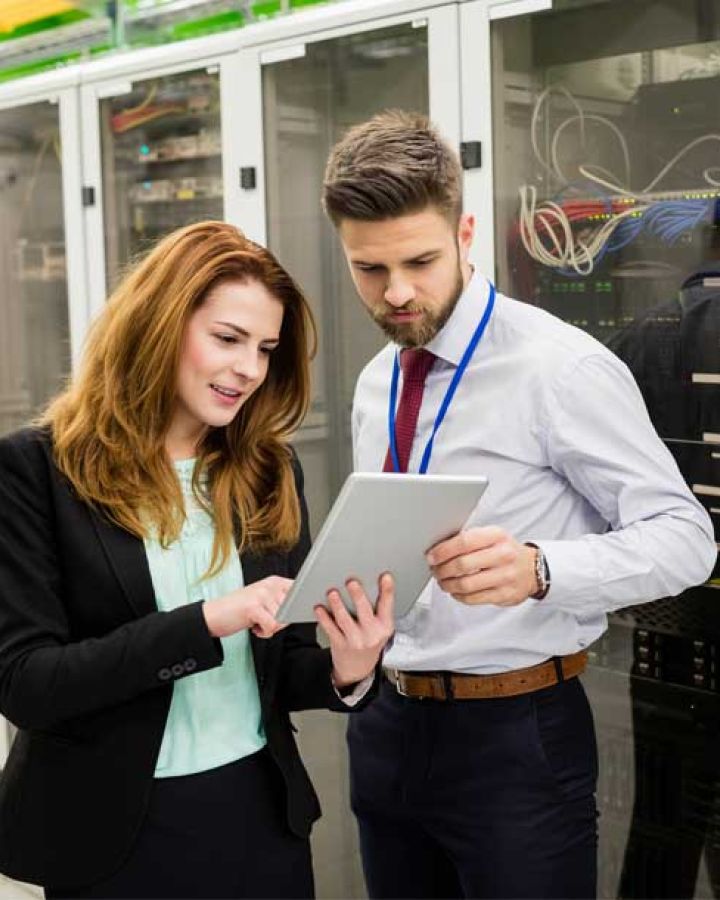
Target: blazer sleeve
pixel 46 677
pixel 305 680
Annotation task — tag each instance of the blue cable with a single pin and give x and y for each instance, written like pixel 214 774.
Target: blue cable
pixel 667 220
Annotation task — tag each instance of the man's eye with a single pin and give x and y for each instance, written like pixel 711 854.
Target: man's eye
pixel 418 263
pixel 368 268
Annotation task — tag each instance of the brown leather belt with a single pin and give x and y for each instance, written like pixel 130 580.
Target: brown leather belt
pixel 455 686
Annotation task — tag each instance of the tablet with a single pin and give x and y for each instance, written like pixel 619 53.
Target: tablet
pixel 381 522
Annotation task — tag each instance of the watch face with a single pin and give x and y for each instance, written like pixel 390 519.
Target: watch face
pixel 542 573
pixel 546 569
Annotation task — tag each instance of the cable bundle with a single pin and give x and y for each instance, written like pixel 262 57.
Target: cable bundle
pixel 546 232
pixel 548 235
pixel 551 231
pixel 144 112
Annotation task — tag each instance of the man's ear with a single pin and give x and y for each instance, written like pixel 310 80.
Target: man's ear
pixel 465 234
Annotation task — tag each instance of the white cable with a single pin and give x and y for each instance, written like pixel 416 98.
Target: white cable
pixel 568 251
pixel 590 117
pixel 678 157
pixel 615 188
pixel 585 170
pixel 552 166
pixel 536 115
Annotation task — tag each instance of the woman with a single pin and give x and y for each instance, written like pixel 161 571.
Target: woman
pixel 139 654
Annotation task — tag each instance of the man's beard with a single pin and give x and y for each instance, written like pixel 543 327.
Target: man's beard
pixel 420 333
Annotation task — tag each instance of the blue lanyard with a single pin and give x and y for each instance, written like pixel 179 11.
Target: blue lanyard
pixel 449 394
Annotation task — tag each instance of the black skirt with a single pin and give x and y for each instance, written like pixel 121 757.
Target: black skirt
pixel 216 834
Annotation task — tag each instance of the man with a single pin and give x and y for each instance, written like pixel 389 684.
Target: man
pixel 473 774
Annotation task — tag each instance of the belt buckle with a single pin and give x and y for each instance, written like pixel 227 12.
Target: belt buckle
pixel 396 682
pixel 393 676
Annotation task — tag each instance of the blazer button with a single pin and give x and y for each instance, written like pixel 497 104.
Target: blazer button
pixel 178 669
pixel 190 664
pixel 164 674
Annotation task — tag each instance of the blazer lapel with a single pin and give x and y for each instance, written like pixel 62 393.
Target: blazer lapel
pixel 127 558
pixel 255 567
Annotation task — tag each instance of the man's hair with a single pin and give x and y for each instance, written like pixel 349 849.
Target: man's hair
pixel 109 424
pixel 394 164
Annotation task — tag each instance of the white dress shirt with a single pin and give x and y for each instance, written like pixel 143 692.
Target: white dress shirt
pixel 557 423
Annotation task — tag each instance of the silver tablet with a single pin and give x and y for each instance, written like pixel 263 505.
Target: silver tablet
pixel 381 522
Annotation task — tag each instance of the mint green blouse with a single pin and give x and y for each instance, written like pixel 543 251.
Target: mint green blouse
pixel 215 715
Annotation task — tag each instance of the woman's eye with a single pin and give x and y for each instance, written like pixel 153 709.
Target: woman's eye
pixel 226 338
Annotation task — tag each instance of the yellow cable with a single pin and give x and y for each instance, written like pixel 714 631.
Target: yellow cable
pixel 14 13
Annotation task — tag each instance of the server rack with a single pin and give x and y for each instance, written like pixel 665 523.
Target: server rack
pixel 606 214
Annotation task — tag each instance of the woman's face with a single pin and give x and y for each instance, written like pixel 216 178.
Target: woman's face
pixel 224 359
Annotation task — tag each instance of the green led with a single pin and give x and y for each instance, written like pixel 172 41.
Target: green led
pixel 31 68
pixel 266 8
pixel 207 25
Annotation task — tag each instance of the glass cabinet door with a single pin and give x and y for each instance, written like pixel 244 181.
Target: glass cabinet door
pixel 34 324
pixel 161 161
pixel 308 102
pixel 607 206
pixel 607 175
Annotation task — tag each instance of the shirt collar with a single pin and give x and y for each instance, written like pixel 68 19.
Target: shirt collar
pixel 451 341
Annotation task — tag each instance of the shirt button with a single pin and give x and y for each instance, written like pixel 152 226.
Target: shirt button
pixel 178 669
pixel 164 674
pixel 190 664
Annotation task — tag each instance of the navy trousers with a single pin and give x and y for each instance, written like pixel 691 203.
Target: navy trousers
pixel 476 798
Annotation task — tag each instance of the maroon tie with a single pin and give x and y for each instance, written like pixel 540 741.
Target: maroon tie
pixel 415 365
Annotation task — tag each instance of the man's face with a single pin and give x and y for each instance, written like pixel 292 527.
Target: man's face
pixel 409 271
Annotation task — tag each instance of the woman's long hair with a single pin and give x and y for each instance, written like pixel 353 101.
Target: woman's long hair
pixel 110 423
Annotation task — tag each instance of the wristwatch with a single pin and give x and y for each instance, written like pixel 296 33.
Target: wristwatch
pixel 542 572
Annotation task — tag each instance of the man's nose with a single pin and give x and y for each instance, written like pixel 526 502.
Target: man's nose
pixel 399 291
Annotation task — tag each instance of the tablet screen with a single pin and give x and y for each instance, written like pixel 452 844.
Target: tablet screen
pixel 382 522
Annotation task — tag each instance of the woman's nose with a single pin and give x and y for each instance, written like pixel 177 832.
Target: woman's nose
pixel 247 365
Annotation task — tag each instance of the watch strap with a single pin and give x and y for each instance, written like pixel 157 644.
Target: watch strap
pixel 542 572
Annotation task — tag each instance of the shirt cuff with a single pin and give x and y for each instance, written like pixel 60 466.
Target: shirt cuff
pixel 575 576
pixel 357 693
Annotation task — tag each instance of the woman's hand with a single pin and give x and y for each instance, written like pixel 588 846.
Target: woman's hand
pixel 253 607
pixel 356 643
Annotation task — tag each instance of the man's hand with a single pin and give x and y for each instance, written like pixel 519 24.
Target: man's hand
pixel 357 643
pixel 484 565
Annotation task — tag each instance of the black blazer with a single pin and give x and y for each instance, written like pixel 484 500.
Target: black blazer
pixel 87 664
